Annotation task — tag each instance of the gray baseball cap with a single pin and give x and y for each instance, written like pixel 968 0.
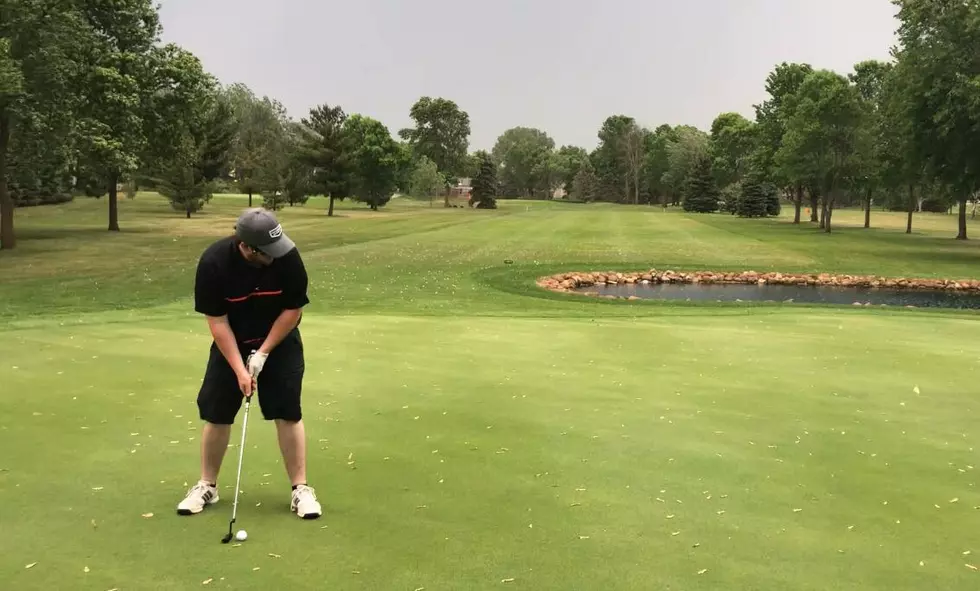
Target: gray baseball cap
pixel 259 228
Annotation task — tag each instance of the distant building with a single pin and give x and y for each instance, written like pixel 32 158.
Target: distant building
pixel 462 189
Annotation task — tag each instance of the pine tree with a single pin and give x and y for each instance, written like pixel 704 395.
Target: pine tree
pixel 701 194
pixel 585 185
pixel 485 183
pixel 773 206
pixel 753 201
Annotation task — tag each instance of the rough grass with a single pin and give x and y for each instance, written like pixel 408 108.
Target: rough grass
pixel 468 429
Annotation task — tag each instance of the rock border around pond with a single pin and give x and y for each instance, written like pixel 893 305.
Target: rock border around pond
pixel 568 282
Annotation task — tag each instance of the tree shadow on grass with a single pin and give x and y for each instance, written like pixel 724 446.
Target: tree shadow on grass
pixel 944 257
pixel 31 234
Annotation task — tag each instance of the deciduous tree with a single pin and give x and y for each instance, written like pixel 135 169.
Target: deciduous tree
pixel 375 160
pixel 523 154
pixel 441 133
pixel 771 116
pixel 426 180
pixel 40 47
pixel 940 40
pixel 823 135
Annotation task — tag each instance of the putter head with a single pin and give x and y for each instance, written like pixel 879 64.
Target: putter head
pixel 226 538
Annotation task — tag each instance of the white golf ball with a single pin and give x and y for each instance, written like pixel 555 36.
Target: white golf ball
pixel 241 535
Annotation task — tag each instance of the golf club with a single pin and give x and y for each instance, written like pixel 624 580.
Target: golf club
pixel 238 481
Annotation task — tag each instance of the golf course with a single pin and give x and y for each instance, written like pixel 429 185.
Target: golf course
pixel 468 429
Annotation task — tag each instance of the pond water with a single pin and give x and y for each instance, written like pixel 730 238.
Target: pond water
pixel 783 293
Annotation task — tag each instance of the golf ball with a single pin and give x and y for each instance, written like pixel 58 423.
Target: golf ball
pixel 241 535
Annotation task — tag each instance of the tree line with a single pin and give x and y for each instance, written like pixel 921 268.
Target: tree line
pixel 91 101
pixel 902 134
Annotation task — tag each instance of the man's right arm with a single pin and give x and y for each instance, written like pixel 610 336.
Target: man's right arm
pixel 224 338
pixel 209 300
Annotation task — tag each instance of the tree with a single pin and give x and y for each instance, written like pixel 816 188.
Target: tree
pixel 485 183
pixel 40 45
pixel 657 163
pixel 754 199
pixel 733 139
pixel 187 125
pixel 701 193
pixel 258 125
pixel 609 158
pixel 375 160
pixel 570 160
pixel 285 178
pixel 771 116
pixel 441 133
pixel 523 155
pixel 200 155
pixel 869 78
pixel 116 68
pixel 585 187
pixel 633 144
pixel 548 174
pixel 940 70
pixel 902 169
pixel 689 145
pixel 426 180
pixel 822 136
pixel 326 150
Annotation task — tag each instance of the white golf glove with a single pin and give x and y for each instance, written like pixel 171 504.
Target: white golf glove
pixel 256 361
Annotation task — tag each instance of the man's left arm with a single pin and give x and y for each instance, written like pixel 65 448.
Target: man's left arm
pixel 294 296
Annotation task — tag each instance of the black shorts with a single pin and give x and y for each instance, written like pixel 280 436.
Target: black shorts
pixel 280 384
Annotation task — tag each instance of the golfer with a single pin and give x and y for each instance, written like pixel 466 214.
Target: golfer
pixel 251 287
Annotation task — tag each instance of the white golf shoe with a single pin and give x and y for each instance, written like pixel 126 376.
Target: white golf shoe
pixel 304 502
pixel 198 497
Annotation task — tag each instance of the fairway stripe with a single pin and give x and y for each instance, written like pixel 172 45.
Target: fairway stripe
pixel 255 294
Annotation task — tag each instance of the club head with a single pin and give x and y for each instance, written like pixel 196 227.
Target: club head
pixel 226 539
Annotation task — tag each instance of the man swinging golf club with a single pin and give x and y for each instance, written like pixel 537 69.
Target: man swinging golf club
pixel 251 287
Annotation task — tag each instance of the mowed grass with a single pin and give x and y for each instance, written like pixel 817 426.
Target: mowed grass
pixel 468 431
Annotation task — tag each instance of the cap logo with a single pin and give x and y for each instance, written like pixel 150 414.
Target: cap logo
pixel 276 232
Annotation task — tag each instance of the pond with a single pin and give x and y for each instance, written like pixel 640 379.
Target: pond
pixel 727 292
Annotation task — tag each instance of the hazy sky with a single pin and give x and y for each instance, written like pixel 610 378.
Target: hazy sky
pixel 560 65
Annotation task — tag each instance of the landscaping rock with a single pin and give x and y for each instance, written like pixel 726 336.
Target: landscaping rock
pixel 570 281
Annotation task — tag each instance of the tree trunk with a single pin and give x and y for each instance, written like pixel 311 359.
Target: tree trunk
pixel 799 204
pixel 823 213
pixel 828 212
pixel 962 233
pixel 330 209
pixel 250 198
pixel 7 238
pixel 867 210
pixel 113 203
pixel 908 228
pixel 814 204
pixel 448 191
pixel 188 212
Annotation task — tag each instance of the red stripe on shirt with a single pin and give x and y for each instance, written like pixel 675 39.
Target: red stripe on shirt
pixel 254 294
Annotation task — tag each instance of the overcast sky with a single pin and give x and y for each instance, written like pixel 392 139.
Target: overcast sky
pixel 559 65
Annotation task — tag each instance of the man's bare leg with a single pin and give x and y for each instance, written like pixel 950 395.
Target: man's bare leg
pixel 292 444
pixel 214 444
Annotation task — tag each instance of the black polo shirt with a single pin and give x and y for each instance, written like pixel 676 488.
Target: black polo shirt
pixel 252 297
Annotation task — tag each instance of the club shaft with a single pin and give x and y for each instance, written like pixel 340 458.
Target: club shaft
pixel 241 455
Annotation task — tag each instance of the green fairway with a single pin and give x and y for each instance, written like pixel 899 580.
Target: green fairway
pixel 468 430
